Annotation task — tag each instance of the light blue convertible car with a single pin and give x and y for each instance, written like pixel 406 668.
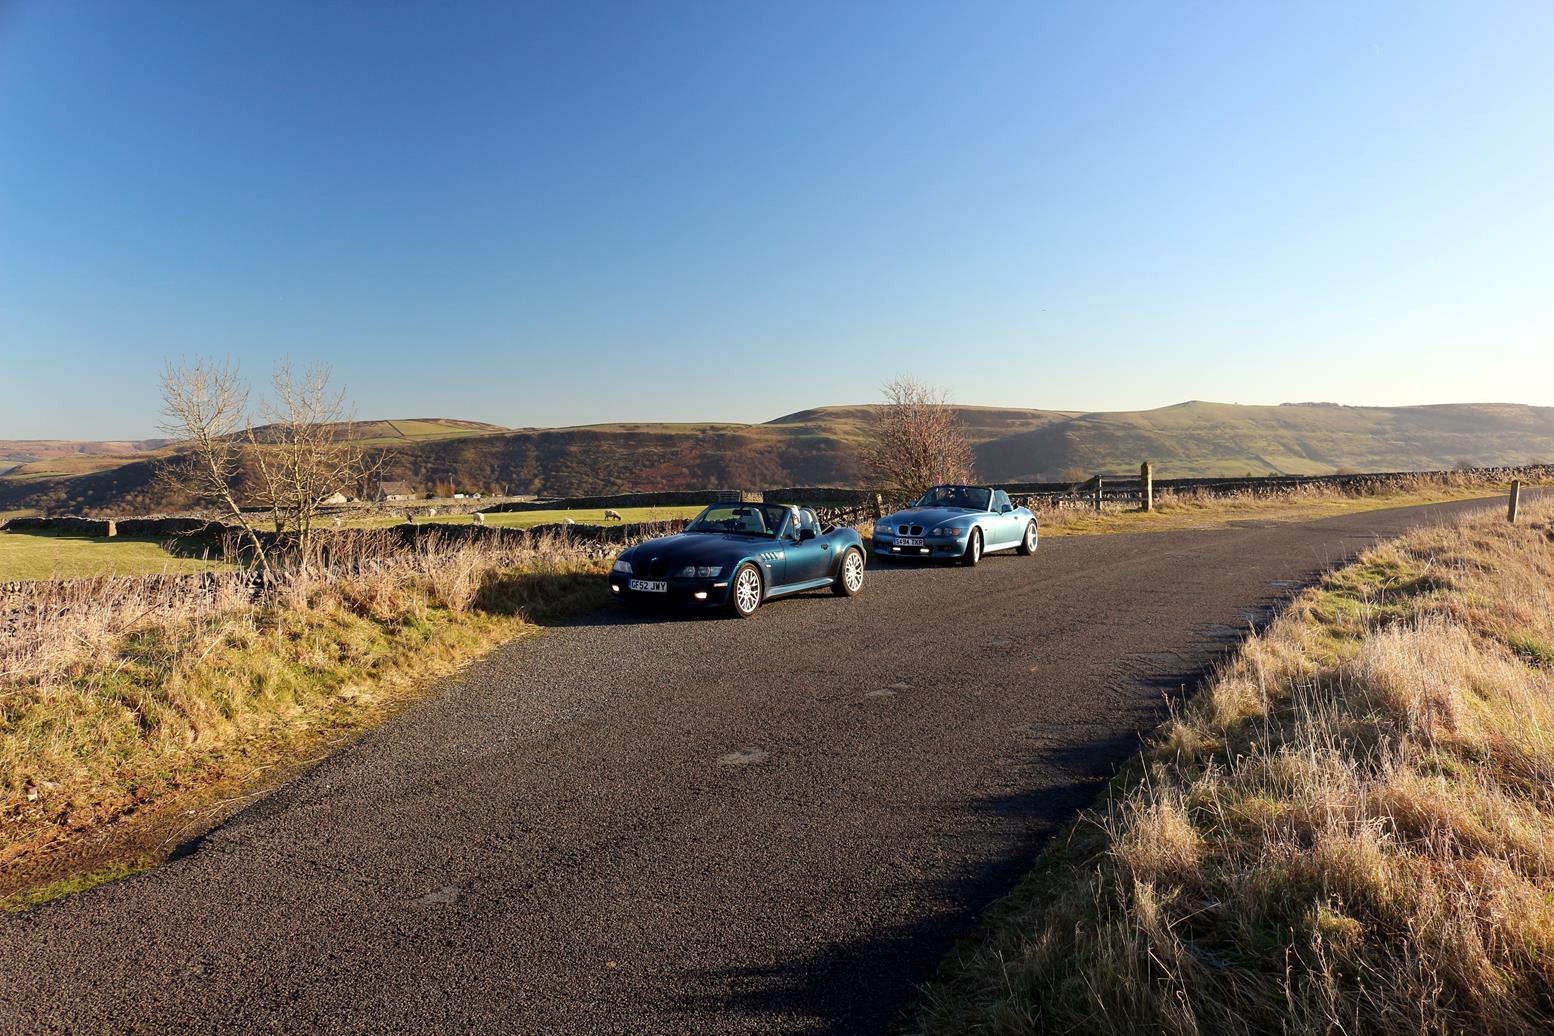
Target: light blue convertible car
pixel 957 522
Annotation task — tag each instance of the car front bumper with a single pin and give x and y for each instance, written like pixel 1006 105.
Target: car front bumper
pixel 682 593
pixel 933 547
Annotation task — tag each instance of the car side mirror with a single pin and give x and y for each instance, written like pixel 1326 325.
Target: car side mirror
pixel 806 534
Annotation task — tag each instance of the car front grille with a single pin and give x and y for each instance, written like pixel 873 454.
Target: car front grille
pixel 655 569
pixel 910 530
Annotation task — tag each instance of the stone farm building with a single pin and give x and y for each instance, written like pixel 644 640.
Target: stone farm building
pixel 389 491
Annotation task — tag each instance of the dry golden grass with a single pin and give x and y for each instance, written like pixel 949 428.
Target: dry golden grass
pixel 1203 510
pixel 1351 829
pixel 121 698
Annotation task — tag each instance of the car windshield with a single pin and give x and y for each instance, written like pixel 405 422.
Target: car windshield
pixel 972 498
pixel 743 519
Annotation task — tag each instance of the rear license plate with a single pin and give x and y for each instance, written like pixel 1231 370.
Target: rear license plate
pixel 908 541
pixel 649 586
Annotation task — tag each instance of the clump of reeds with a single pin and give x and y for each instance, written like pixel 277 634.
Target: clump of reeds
pixel 46 627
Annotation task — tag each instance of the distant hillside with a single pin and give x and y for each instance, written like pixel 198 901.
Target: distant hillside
pixel 1199 438
pixel 817 447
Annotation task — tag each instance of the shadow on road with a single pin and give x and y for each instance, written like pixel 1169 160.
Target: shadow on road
pixel 860 985
pixel 602 610
pixel 863 985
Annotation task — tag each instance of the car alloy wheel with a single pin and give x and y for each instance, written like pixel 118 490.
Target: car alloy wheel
pixel 746 597
pixel 852 571
pixel 850 581
pixel 1028 545
pixel 974 548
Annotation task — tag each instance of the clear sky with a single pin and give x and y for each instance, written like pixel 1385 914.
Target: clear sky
pixel 580 212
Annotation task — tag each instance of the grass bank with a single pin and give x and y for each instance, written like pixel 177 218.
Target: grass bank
pixel 1350 829
pixel 133 710
pixel 1201 510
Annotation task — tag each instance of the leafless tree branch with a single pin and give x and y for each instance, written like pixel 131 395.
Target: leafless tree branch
pixel 916 442
pixel 305 452
pixel 205 407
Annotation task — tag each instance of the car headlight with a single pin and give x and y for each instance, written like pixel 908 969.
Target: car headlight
pixel 699 572
pixel 948 530
pixel 621 565
pixel 882 529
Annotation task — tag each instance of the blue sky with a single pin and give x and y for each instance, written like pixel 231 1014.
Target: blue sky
pixel 569 213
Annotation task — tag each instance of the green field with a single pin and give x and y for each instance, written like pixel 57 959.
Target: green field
pixel 529 519
pixel 41 555
pixel 393 433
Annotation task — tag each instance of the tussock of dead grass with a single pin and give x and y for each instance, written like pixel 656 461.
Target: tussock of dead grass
pixel 118 696
pixel 1350 830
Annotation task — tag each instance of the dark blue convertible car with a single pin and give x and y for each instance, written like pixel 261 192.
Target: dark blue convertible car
pixel 735 556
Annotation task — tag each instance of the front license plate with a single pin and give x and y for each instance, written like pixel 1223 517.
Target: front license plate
pixel 649 586
pixel 908 541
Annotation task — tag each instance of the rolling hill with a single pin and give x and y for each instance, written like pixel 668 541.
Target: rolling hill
pixel 816 447
pixel 1201 439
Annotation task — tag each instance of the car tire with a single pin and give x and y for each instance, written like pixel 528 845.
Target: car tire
pixel 849 575
pixel 973 549
pixel 1028 542
pixel 745 590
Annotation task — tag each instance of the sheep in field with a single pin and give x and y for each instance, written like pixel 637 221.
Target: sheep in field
pixel 610 513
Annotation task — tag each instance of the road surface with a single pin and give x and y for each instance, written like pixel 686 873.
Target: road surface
pixel 686 826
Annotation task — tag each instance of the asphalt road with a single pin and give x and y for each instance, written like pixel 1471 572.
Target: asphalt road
pixel 686 826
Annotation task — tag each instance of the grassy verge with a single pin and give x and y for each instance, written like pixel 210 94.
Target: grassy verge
pixel 43 555
pixel 1202 511
pixel 131 711
pixel 1351 829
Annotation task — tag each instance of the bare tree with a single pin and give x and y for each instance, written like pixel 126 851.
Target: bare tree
pixel 305 452
pixel 289 466
pixel 917 441
pixel 205 407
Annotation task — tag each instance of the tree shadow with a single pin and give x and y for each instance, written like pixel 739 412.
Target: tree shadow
pixel 865 983
pixel 861 983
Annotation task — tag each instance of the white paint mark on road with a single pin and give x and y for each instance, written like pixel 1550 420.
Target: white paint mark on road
pixel 441 897
pixel 744 757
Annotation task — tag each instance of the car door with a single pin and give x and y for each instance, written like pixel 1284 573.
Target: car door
pixel 1008 525
pixel 808 556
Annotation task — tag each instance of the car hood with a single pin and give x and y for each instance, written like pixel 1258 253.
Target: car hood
pixel 687 548
pixel 928 517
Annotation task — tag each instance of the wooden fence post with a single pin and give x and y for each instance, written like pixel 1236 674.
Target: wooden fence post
pixel 1147 485
pixel 1516 498
pixel 1098 492
pixel 879 506
pixel 113 527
